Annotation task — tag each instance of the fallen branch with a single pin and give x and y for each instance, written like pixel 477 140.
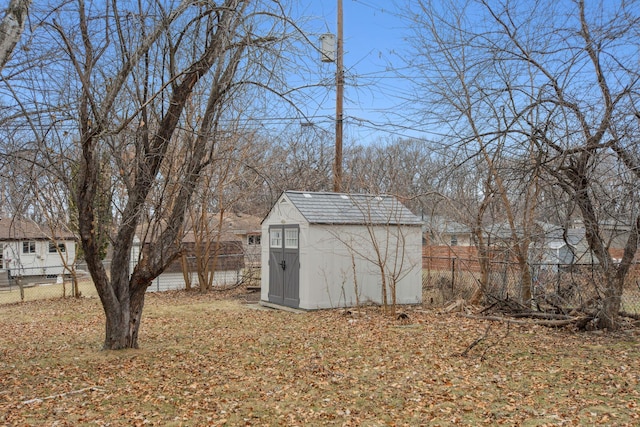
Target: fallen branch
pixel 506 334
pixel 541 315
pixel 476 342
pixel 513 305
pixel 630 315
pixel 457 305
pixel 551 323
pixel 484 310
pixel 55 396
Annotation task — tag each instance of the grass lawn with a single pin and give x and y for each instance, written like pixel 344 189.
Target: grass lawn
pixel 45 291
pixel 207 360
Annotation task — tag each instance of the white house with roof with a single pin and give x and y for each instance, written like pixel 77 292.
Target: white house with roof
pixel 28 249
pixel 326 250
pixel 440 230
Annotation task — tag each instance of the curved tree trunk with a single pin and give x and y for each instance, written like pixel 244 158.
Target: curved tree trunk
pixel 612 303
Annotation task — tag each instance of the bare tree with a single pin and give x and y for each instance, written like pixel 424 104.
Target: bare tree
pixel 554 85
pixel 116 92
pixel 300 160
pixel 217 196
pixel 475 121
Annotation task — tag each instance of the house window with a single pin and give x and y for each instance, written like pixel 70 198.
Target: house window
pixel 253 240
pixel 53 250
pixel 29 247
pixel 454 240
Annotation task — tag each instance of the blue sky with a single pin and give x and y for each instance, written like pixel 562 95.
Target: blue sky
pixel 375 38
pixel 373 34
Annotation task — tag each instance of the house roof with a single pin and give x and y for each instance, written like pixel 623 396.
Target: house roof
pixel 351 209
pixel 234 226
pixel 12 229
pixel 556 234
pixel 440 224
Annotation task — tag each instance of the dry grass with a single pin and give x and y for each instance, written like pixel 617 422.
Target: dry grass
pixel 45 291
pixel 211 361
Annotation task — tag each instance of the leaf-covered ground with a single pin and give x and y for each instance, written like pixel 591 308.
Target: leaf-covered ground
pixel 211 361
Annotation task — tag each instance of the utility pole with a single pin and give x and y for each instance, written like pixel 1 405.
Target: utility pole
pixel 337 168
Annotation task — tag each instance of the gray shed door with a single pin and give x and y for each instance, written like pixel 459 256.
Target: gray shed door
pixel 284 265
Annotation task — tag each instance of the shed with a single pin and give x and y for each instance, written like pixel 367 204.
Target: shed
pixel 327 250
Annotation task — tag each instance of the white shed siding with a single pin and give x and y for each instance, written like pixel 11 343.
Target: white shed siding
pixel 329 272
pixel 326 267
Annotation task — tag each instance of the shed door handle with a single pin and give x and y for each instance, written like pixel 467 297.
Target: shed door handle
pixel 283 264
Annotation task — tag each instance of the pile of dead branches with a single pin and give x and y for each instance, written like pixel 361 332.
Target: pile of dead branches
pixel 547 313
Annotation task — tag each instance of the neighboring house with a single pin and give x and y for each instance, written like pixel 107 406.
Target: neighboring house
pixel 570 246
pixel 551 244
pixel 616 234
pixel 238 250
pixel 556 246
pixel 319 250
pixel 30 250
pixel 444 241
pixel 441 231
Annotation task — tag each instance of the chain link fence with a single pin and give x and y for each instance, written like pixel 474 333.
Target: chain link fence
pixel 36 284
pixel 557 285
pixel 28 284
pixel 444 280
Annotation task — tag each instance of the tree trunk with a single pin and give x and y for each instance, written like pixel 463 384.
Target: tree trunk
pixel 525 287
pixel 385 301
pixel 123 320
pixel 115 337
pixel 608 316
pixel 483 259
pixel 613 276
pixel 135 316
pixel 186 271
pixel 75 289
pixel 393 296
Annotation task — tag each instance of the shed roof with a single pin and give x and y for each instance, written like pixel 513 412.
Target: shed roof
pixel 351 209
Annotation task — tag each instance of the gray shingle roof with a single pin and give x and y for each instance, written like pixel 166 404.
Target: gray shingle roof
pixel 340 208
